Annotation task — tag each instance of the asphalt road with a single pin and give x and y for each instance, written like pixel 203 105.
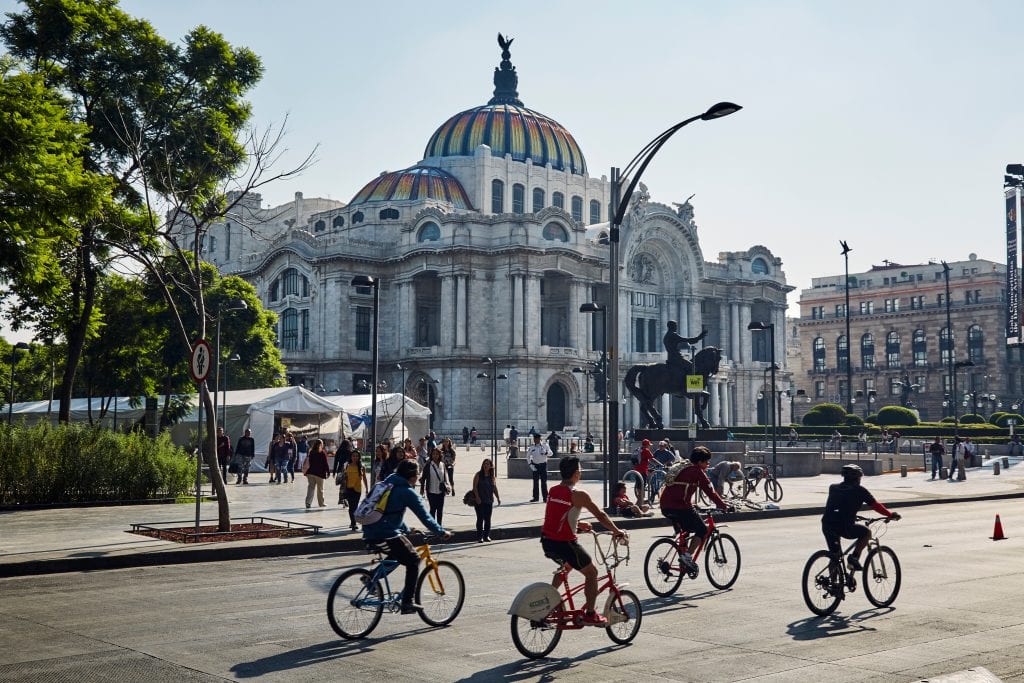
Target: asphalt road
pixel 959 607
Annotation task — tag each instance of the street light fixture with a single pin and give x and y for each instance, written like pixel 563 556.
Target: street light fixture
pixel 20 346
pixel 587 374
pixel 620 203
pixel 232 305
pixel 794 395
pixel 760 326
pixel 849 342
pixel 494 377
pixel 368 281
pixel 956 366
pixel 428 391
pixel 224 404
pixel 609 435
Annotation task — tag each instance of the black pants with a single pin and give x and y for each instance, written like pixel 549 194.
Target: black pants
pixel 483 520
pixel 436 501
pixel 540 475
pixel 450 469
pixel 400 550
pixel 352 498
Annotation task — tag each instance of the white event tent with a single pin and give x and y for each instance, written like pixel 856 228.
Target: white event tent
pixel 389 414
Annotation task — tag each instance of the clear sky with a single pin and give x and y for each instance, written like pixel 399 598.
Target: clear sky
pixel 887 124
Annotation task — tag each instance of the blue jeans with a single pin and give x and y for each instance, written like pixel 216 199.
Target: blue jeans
pixel 281 468
pixel 936 464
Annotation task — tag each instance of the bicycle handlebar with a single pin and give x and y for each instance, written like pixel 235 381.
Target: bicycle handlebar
pixel 874 520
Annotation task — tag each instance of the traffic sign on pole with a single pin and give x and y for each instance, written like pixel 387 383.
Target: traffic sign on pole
pixel 199 364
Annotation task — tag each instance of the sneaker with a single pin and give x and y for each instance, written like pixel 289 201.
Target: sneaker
pixel 487 539
pixel 594 619
pixel 687 561
pixel 854 564
pixel 411 608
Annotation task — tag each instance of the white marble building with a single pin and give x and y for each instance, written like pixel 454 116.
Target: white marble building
pixel 486 248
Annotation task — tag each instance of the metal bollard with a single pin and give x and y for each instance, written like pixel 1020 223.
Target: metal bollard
pixel 1006 461
pixel 943 473
pixel 995 468
pixel 961 474
pixel 903 470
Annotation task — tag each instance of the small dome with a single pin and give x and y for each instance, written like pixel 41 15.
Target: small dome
pixel 508 129
pixel 410 184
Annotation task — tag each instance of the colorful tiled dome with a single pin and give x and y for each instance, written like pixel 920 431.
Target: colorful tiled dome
pixel 508 129
pixel 417 182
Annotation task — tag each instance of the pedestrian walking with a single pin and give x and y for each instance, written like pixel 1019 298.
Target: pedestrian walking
pixel 422 455
pixel 537 458
pixel 292 450
pixel 281 453
pixel 465 435
pixel 341 459
pixel 223 452
pixel 448 458
pixel 302 450
pixel 435 484
pixel 956 454
pixel 473 435
pixel 553 439
pixel 316 470
pixel 245 450
pixel 937 450
pixel 353 484
pixel 485 489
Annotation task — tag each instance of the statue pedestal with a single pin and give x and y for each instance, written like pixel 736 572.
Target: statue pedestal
pixel 679 435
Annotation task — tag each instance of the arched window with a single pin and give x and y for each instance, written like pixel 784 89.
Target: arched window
pixel 518 198
pixel 290 280
pixel 919 347
pixel 319 226
pixel 274 288
pixel 577 208
pixel 558 200
pixel 290 329
pixel 595 211
pixel 429 232
pixel 357 217
pixel 892 349
pixel 497 196
pixel 759 266
pixel 867 351
pixel 555 233
pixel 976 344
pixel 338 222
pixel 538 199
pixel 389 214
pixel 945 345
pixel 305 287
pixel 842 353
pixel 819 355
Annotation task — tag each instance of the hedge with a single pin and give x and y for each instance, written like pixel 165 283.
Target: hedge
pixel 44 464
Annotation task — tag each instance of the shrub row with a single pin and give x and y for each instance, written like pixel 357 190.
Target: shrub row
pixel 42 464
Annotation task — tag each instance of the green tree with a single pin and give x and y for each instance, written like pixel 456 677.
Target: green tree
pixel 825 414
pixel 895 416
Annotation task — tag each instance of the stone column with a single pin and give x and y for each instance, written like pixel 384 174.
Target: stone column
pixel 405 326
pixel 574 323
pixel 517 310
pixel 448 313
pixel 779 315
pixel 665 408
pixel 693 319
pixel 746 336
pixel 714 406
pixel 531 312
pixel 461 312
pixel 734 331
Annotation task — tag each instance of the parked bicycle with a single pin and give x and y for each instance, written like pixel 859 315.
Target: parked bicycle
pixel 749 483
pixel 540 613
pixel 649 490
pixel 359 597
pixel 664 569
pixel 826 579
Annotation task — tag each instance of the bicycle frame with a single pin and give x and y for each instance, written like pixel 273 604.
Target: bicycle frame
pixel 683 536
pixel 572 618
pixel 873 543
pixel 386 566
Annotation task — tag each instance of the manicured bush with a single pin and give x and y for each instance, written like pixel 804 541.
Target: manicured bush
pixel 896 416
pixel 872 418
pixel 77 463
pixel 853 420
pixel 972 419
pixel 825 414
pixel 1003 420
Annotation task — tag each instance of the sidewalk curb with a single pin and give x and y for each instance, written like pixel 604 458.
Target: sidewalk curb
pixel 326 544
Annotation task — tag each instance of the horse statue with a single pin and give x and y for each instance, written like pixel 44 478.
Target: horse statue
pixel 649 382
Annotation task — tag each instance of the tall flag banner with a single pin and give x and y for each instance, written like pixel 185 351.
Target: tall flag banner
pixel 355 420
pixel 1012 271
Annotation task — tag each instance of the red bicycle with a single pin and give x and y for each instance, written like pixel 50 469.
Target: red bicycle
pixel 540 613
pixel 664 569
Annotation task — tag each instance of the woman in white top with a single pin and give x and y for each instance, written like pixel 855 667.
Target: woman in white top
pixel 435 484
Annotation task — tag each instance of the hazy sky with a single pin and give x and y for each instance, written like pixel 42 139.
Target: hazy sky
pixel 887 124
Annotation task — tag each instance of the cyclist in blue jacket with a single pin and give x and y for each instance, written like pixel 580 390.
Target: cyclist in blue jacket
pixel 391 529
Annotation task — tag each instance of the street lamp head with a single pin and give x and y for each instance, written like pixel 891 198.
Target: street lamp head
pixel 502 376
pixel 1015 169
pixel 364 281
pixel 235 357
pixel 487 361
pixel 482 375
pixel 964 364
pixel 760 325
pixel 719 110
pixel 398 366
pixel 22 346
pixel 591 307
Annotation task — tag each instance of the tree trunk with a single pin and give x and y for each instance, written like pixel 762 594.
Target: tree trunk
pixel 83 300
pixel 223 508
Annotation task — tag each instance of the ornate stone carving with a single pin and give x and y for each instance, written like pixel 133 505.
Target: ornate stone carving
pixel 642 269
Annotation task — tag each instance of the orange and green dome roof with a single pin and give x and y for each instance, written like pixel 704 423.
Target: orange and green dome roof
pixel 417 182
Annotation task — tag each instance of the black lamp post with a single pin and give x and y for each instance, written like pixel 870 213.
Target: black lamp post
pixel 956 366
pixel 587 374
pixel 494 377
pixel 761 326
pixel 368 281
pixel 793 395
pixel 609 435
pixel 620 203
pixel 849 343
pixel 232 305
pixel 224 404
pixel 399 366
pixel 20 346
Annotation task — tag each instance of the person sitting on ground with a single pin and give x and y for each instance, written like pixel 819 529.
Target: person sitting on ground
pixel 677 501
pixel 725 472
pixel 624 506
pixel 841 507
pixel 561 524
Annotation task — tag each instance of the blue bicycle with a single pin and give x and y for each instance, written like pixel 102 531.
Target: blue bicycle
pixel 359 596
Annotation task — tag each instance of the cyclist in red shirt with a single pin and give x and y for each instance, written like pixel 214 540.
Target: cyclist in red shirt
pixel 677 500
pixel 558 535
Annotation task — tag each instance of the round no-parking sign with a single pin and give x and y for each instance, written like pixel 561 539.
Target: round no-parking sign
pixel 199 365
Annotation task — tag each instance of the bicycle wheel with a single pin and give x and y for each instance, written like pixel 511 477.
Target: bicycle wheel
pixel 441 591
pixel 819 594
pixel 355 604
pixel 702 500
pixel 623 631
pixel 534 639
pixel 661 567
pixel 654 488
pixel 722 561
pixel 881 576
pixel 773 490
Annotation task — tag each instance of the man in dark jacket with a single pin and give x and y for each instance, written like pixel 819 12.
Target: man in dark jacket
pixel 245 450
pixel 223 452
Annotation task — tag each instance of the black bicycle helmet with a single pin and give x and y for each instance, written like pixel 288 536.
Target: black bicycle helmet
pixel 852 471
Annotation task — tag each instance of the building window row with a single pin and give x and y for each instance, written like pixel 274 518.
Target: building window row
pixel 539 197
pixel 893 349
pixel 294 335
pixel 645 339
pixel 289 283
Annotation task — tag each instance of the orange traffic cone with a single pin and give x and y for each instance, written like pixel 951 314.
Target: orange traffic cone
pixel 997 533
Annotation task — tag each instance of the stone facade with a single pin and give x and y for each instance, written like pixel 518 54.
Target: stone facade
pixel 481 255
pixel 897 319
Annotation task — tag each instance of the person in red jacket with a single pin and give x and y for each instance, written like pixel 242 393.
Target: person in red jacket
pixel 677 501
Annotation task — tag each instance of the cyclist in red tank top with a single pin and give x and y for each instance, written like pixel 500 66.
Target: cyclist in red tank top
pixel 558 535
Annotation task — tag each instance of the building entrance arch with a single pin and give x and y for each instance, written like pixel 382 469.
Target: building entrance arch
pixel 556 401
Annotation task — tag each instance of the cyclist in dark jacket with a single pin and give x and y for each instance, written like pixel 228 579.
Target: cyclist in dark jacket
pixel 839 520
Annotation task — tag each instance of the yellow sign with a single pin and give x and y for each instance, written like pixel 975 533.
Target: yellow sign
pixel 694 383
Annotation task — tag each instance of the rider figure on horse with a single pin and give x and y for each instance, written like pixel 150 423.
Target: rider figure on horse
pixel 674 344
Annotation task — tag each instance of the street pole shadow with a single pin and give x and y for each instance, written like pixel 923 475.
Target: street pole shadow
pixel 535 669
pixel 673 602
pixel 813 628
pixel 315 654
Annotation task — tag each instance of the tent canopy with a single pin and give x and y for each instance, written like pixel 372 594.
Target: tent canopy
pixel 389 413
